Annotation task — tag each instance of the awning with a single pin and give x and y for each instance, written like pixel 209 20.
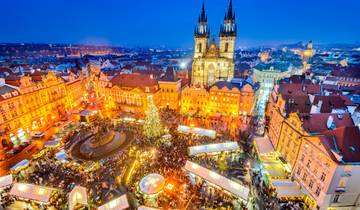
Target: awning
pixel 213 148
pixel 6 181
pixel 218 180
pixel 77 195
pixel 287 188
pixel 20 164
pixel 116 204
pixel 264 145
pixel 197 131
pixel 31 192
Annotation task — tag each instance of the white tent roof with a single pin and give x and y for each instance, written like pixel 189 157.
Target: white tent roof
pixel 6 181
pixel 116 204
pixel 216 179
pixel 31 192
pixel 146 208
pixel 285 188
pixel 211 148
pixel 20 164
pixel 152 183
pixel 53 143
pixel 198 131
pixel 264 145
pixel 61 156
pixel 77 195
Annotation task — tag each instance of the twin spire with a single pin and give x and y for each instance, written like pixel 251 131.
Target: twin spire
pixel 230 15
pixel 228 28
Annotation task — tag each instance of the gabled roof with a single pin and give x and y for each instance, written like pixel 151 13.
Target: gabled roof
pixel 229 85
pixel 141 81
pixel 344 141
pixel 6 92
pixel 317 123
pixel 332 102
pixel 297 103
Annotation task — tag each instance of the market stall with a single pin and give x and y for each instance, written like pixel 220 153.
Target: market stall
pixel 6 181
pixel 20 165
pixel 116 204
pixel 218 180
pixel 77 195
pixel 197 131
pixel 32 192
pixel 214 148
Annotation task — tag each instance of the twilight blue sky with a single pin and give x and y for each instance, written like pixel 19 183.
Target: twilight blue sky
pixel 171 22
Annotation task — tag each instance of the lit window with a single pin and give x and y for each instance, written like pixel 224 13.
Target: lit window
pixel 317 191
pixel 323 176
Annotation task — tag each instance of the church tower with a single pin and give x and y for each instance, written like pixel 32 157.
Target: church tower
pixel 201 34
pixel 213 63
pixel 228 34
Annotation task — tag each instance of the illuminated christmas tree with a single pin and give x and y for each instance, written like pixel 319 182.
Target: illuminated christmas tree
pixel 152 125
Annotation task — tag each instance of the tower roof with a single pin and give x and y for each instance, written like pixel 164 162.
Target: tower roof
pixel 230 15
pixel 203 16
pixel 228 28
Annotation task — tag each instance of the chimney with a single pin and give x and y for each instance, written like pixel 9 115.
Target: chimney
pixel 330 124
pixel 311 98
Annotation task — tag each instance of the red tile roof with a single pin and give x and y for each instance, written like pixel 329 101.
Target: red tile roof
pixel 297 103
pixel 292 89
pixel 317 123
pixel 344 141
pixel 141 81
pixel 331 102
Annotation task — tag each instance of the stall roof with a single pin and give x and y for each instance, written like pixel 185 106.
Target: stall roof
pixel 116 204
pixel 61 156
pixel 287 188
pixel 264 145
pixel 211 148
pixel 53 143
pixel 32 192
pixel 146 208
pixel 19 164
pixel 197 131
pixel 77 195
pixel 216 179
pixel 6 180
pixel 87 112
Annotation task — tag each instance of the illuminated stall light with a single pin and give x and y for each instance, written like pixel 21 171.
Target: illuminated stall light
pixel 22 135
pixel 14 140
pixel 116 204
pixel 213 148
pixel 32 192
pixel 77 195
pixel 218 180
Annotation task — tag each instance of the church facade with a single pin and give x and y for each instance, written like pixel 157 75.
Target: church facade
pixel 212 62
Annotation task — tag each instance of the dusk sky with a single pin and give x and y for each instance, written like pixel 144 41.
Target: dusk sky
pixel 171 22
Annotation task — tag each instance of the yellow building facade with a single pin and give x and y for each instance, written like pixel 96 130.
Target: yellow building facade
pixel 35 105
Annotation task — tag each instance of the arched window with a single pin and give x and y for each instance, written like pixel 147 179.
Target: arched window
pixel 200 47
pixel 226 47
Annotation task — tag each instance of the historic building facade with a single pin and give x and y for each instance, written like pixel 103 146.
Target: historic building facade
pixel 34 102
pixel 214 63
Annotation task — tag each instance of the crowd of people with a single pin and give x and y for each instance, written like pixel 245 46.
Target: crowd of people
pixel 116 175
